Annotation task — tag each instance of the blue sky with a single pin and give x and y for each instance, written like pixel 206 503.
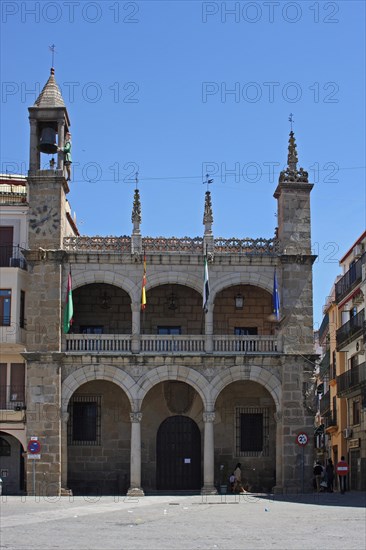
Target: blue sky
pixel 175 89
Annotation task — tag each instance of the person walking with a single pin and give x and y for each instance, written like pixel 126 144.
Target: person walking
pixel 329 470
pixel 238 487
pixel 342 471
pixel 318 474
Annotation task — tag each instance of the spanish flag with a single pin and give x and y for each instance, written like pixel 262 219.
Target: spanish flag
pixel 143 291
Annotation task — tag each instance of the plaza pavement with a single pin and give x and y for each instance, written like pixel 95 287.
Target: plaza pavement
pixel 312 521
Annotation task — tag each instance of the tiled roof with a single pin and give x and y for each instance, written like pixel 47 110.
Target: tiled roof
pixel 50 96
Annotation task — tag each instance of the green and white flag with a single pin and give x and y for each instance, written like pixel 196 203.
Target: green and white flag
pixel 69 308
pixel 206 286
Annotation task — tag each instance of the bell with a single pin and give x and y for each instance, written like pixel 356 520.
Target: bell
pixel 47 143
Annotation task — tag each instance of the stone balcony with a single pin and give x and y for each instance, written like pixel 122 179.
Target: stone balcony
pixel 121 344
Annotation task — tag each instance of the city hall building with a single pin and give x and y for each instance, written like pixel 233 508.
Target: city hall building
pixel 165 397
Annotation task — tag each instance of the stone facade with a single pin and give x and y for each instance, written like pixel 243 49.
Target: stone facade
pixel 169 398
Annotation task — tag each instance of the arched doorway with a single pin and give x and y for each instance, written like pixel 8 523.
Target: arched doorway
pixel 178 454
pixel 11 464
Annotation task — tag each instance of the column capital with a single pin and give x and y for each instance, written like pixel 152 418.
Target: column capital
pixel 209 416
pixel 278 416
pixel 136 417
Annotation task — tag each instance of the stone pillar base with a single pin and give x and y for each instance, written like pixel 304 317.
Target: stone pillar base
pixel 66 492
pixel 277 490
pixel 135 492
pixel 208 490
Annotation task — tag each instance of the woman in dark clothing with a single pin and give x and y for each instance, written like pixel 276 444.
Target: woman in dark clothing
pixel 330 475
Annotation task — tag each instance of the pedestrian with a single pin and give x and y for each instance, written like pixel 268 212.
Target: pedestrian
pixel 238 487
pixel 67 152
pixel 232 482
pixel 342 471
pixel 329 470
pixel 318 474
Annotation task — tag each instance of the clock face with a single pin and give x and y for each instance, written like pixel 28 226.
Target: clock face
pixel 44 219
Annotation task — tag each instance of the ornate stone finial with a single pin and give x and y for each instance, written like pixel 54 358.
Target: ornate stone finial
pixel 208 216
pixel 292 174
pixel 136 209
pixel 292 159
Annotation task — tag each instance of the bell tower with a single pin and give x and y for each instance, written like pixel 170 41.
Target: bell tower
pixel 47 222
pixel 49 123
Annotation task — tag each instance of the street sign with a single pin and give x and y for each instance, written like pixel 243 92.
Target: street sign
pixel 302 439
pixel 34 446
pixel 342 468
pixel 33 456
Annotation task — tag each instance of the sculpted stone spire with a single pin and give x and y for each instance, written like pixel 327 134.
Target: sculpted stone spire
pixel 292 159
pixel 292 173
pixel 208 216
pixel 136 208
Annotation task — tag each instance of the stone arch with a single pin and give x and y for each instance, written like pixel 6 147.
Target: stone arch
pixel 254 374
pixel 175 372
pixel 22 438
pixel 96 372
pixel 232 279
pixel 104 276
pixel 175 277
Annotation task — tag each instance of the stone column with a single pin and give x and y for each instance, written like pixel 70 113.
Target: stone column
pixel 208 455
pixel 278 488
pixel 61 141
pixel 64 420
pixel 34 154
pixel 135 472
pixel 209 345
pixel 135 337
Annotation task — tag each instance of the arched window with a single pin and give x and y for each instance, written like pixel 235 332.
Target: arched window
pixel 5 448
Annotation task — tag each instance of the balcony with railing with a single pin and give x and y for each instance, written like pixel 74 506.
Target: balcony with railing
pixel 325 403
pixel 11 256
pixel 351 380
pixel 324 365
pixel 120 344
pixel 330 421
pixel 350 330
pixel 12 398
pixel 13 195
pixel 350 279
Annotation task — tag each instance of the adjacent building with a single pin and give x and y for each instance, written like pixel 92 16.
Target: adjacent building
pixel 342 375
pixel 170 394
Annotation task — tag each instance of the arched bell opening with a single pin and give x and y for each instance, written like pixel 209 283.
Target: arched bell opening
pixel 171 438
pixel 98 440
pixel 245 432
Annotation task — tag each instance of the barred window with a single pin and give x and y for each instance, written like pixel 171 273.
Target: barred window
pixel 252 431
pixel 84 427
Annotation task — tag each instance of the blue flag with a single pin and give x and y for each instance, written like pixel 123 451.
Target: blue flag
pixel 276 298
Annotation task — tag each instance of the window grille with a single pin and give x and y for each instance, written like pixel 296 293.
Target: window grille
pixel 252 431
pixel 84 426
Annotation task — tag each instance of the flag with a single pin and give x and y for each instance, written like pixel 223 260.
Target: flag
pixel 143 290
pixel 206 285
pixel 69 308
pixel 276 298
